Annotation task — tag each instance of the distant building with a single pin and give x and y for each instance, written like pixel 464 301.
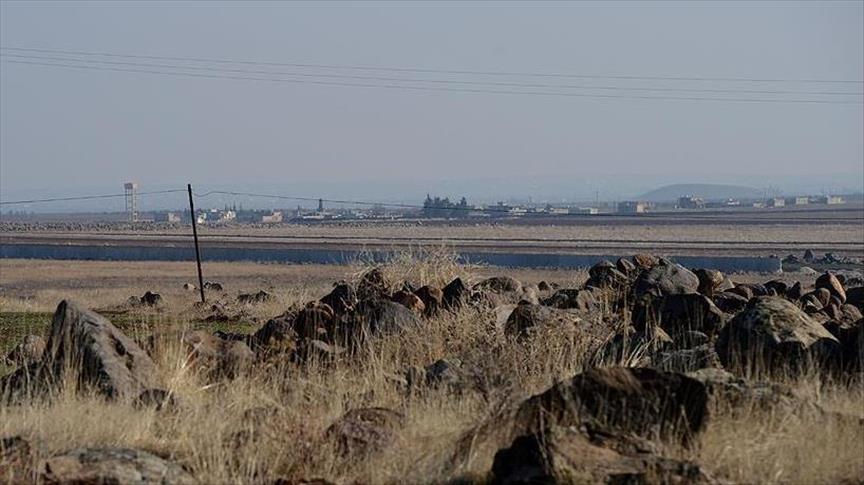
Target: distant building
pixel 273 218
pixel 691 202
pixel 797 200
pixel 587 210
pixel 830 200
pixel 632 207
pixel 166 217
pixel 558 211
pixel 776 202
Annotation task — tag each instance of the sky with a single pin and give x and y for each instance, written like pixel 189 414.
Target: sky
pixel 71 131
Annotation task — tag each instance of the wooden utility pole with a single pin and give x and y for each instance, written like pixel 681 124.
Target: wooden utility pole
pixel 197 251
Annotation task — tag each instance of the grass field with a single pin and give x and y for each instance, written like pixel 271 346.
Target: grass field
pixel 301 401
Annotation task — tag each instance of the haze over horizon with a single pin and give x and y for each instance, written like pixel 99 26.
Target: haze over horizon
pixel 67 130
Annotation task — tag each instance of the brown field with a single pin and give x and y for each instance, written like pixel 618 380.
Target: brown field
pixel 739 447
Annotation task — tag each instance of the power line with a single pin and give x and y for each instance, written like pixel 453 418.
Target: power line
pixel 85 197
pixel 432 81
pixel 428 70
pixel 430 88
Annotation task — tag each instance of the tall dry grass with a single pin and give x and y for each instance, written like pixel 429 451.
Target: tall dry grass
pixel 270 422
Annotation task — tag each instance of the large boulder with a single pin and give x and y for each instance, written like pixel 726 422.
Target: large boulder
pixel 500 285
pixel 112 466
pixel 409 301
pixel 678 314
pixel 85 348
pixel 855 296
pixel 640 401
pixel 432 298
pixel 774 333
pixel 373 284
pixel 667 278
pixel 606 275
pixel 851 338
pixel 380 317
pixel 645 261
pixel 588 455
pixel 341 299
pixel 260 296
pixel 729 302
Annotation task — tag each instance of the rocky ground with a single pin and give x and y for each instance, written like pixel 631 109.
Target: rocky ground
pixel 426 372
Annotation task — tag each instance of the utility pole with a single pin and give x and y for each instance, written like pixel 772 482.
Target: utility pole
pixel 197 251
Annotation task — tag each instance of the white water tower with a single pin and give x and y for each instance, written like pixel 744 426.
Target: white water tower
pixel 131 200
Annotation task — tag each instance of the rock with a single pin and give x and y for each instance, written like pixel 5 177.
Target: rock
pixel 678 314
pixel 151 299
pixel 780 288
pixel 666 278
pixel 571 298
pixel 525 318
pixel 588 455
pixel 736 395
pixel 729 302
pixel 605 275
pixel 316 322
pixel 625 266
pixel 364 431
pixel 342 299
pixel 807 270
pixel 190 287
pixel 794 292
pixel 449 374
pixel 216 357
pixel 254 298
pixel 455 294
pixel 644 261
pixel 821 295
pixel 709 281
pixel 830 282
pixel 809 256
pixel 275 335
pixel 373 284
pixel 112 466
pixel 640 401
pixel 851 338
pixel 432 298
pixel 380 317
pixel 855 296
pixel 409 301
pixel 773 332
pixel 98 354
pixel 500 285
pixel 213 286
pixel 16 460
pixel 29 351
pixel 544 287
pixel 742 291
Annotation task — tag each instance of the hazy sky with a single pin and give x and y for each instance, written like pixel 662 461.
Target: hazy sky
pixel 66 128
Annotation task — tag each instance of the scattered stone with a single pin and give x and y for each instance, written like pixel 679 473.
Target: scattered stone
pixel 158 399
pixel 455 294
pixel 678 314
pixel 113 466
pixel 342 299
pixel 151 299
pixel 773 332
pixel 254 298
pixel 729 302
pixel 190 287
pixel 364 431
pixel 500 285
pixel 218 358
pixel 605 275
pixel 527 317
pixel 625 266
pixel 577 299
pixel 212 286
pixel 373 284
pixel 855 296
pixel 644 261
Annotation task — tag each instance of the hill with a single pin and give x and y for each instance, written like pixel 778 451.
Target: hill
pixel 706 191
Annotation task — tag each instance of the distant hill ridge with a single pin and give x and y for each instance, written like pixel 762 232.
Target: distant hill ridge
pixel 706 191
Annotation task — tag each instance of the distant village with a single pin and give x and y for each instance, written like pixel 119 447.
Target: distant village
pixel 444 208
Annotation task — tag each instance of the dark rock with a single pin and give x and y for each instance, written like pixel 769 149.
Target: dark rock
pixel 729 302
pixel 151 299
pixel 499 284
pixel 409 301
pixel 158 399
pixel 642 401
pixel 794 292
pixel 213 286
pixel 455 294
pixel 644 261
pixel 773 332
pixel 373 284
pixel 855 296
pixel 625 266
pixel 527 317
pixel 678 314
pixel 341 299
pixel 605 275
pixel 686 360
pixel 216 357
pixel 275 335
pixel 112 466
pixel 851 338
pixel 544 286
pixel 364 431
pixel 589 455
pixel 571 298
pixel 779 287
pixel 432 298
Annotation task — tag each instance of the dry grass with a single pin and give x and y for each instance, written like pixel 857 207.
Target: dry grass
pixel 213 435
